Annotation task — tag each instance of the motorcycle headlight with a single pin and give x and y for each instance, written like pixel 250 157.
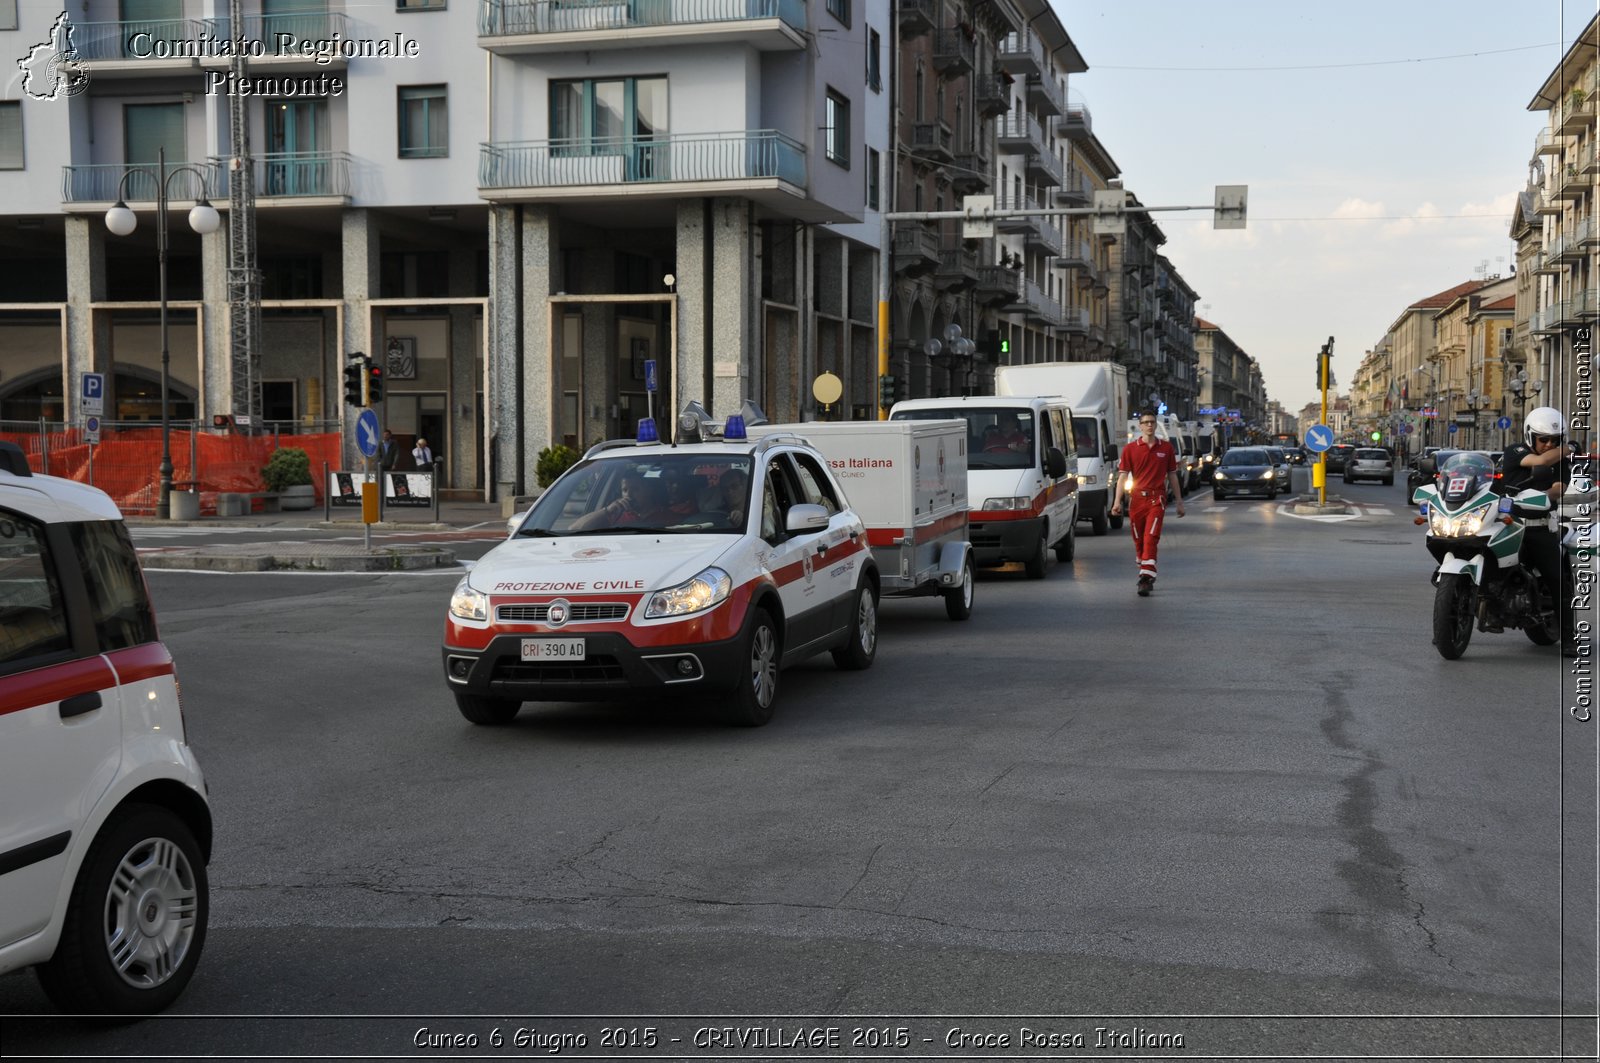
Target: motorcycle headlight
pixel 1016 502
pixel 1460 525
pixel 468 604
pixel 693 595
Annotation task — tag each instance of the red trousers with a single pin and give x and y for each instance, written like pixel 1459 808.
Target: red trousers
pixel 1144 517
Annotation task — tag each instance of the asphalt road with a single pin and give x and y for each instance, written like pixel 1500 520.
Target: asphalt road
pixel 1255 812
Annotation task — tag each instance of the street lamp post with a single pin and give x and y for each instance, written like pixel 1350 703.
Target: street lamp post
pixel 203 219
pixel 1521 388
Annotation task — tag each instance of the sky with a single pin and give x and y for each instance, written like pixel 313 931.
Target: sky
pixel 1383 144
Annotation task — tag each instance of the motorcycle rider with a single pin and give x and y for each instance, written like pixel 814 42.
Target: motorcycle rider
pixel 1540 463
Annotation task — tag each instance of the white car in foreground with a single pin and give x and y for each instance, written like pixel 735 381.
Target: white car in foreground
pixel 105 829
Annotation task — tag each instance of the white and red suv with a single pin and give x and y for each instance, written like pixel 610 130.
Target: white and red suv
pixel 700 568
pixel 105 829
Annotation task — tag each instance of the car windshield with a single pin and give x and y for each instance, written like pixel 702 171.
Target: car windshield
pixel 1246 457
pixel 680 493
pixel 997 437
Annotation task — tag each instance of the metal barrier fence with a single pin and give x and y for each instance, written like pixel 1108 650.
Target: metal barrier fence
pixel 207 461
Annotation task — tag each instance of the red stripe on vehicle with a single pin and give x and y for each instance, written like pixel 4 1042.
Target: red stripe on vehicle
pixel 57 682
pixel 922 533
pixel 136 663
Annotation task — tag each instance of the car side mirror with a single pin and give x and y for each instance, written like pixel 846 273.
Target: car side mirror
pixel 1055 463
pixel 1112 451
pixel 513 523
pixel 805 517
pixel 1428 466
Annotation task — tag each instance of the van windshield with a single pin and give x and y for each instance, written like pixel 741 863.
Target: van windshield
pixel 1086 433
pixel 997 437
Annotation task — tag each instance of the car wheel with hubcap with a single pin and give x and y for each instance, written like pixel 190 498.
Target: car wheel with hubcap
pixel 958 600
pixel 136 921
pixel 488 712
pixel 861 646
pixel 756 696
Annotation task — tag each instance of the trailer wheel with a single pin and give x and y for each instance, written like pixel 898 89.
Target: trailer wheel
pixel 958 599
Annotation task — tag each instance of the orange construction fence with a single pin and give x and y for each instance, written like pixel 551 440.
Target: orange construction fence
pixel 126 463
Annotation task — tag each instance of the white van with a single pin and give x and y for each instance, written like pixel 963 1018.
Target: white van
pixel 1022 475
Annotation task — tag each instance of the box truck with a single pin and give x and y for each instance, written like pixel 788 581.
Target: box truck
pixel 907 481
pixel 1098 395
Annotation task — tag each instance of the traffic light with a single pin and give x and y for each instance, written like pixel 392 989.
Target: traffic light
pixel 374 385
pixel 886 391
pixel 355 372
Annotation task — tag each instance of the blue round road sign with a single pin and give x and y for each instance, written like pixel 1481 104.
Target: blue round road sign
pixel 1503 423
pixel 1453 429
pixel 1319 437
pixel 367 433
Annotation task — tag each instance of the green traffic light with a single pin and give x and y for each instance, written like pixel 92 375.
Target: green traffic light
pixel 1376 436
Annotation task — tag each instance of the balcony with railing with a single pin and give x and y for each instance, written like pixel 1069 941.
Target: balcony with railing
pixel 1043 235
pixel 1589 159
pixel 294 175
pixel 1075 254
pixel 991 93
pixel 954 52
pixel 917 17
pixel 1037 305
pixel 102 184
pixel 1075 122
pixel 970 175
pixel 931 141
pixel 1586 234
pixel 916 249
pixel 1577 308
pixel 1046 93
pixel 1075 190
pixel 1572 182
pixel 1023 54
pixel 1567 249
pixel 1545 203
pixel 752 160
pixel 511 27
pixel 998 285
pixel 156 47
pixel 1075 320
pixel 1575 113
pixel 1548 143
pixel 958 267
pixel 1546 262
pixel 1017 133
pixel 1544 320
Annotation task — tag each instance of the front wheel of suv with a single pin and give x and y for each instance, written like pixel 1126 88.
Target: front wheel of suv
pixel 488 712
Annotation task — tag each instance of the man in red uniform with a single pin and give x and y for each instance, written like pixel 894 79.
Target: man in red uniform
pixel 1153 464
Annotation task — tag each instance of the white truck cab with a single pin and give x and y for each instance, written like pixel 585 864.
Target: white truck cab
pixel 1021 475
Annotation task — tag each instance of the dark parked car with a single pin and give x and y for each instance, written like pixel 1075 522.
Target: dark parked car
pixel 1280 459
pixel 1243 471
pixel 1338 454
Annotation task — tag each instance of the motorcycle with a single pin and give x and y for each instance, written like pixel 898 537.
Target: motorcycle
pixel 1475 533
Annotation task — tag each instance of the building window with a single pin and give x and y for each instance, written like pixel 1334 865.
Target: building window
pixel 874 164
pixel 419 5
pixel 836 129
pixel 11 135
pixel 874 61
pixel 600 116
pixel 8 14
pixel 840 9
pixel 424 122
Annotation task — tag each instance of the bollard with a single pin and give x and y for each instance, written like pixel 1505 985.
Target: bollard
pixel 435 492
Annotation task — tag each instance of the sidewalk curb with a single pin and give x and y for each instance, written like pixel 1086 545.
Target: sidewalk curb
pixel 393 559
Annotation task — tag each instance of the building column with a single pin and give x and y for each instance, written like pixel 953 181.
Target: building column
pixel 503 339
pixel 359 266
pixel 464 430
pixel 541 263
pixel 716 277
pixel 216 331
pixel 88 340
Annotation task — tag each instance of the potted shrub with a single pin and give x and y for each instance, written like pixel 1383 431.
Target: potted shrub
pixel 288 473
pixel 553 461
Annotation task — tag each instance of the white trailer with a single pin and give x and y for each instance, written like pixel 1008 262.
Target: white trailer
pixel 907 480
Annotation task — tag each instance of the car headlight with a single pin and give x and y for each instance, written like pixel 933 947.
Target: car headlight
pixel 1016 502
pixel 693 595
pixel 468 604
pixel 1464 524
pixel 1220 475
pixel 1269 474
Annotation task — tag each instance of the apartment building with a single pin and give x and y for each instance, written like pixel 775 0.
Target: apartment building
pixel 1228 378
pixel 371 234
pixel 1564 189
pixel 516 205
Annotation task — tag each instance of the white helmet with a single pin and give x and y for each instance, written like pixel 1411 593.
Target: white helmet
pixel 1544 421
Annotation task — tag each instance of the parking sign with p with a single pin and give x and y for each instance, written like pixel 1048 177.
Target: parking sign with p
pixel 94 393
